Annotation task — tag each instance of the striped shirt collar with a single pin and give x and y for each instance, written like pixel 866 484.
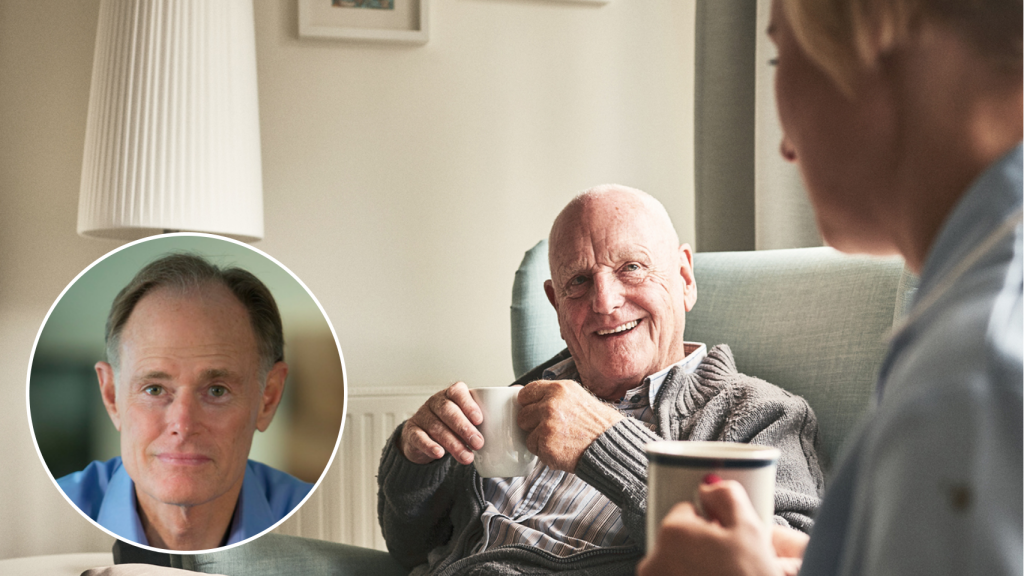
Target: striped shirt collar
pixel 695 353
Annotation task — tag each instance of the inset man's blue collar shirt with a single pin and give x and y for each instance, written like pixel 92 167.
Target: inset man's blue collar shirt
pixel 931 483
pixel 105 493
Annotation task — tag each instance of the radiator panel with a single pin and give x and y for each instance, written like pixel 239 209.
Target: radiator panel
pixel 344 506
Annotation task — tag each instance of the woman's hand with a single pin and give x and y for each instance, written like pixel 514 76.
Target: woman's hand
pixel 732 540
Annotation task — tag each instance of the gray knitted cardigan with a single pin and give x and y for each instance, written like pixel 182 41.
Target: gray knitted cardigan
pixel 430 513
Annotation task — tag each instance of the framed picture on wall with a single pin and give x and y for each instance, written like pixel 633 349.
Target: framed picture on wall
pixel 401 21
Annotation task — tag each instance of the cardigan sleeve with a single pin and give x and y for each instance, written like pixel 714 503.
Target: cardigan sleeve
pixel 717 402
pixel 786 422
pixel 740 408
pixel 616 465
pixel 413 503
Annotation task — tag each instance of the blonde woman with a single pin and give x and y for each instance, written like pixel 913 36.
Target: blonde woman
pixel 905 117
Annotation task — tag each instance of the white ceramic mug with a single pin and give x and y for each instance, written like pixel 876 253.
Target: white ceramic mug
pixel 504 453
pixel 676 469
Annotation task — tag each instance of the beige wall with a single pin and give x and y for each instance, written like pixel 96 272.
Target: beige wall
pixel 401 184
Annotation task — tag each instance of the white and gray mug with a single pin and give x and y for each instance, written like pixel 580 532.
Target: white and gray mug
pixel 676 469
pixel 504 453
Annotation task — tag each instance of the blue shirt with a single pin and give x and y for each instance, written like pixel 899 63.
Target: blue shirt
pixel 932 482
pixel 105 493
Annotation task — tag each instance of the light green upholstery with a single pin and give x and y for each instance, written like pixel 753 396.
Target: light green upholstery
pixel 274 554
pixel 810 320
pixel 535 336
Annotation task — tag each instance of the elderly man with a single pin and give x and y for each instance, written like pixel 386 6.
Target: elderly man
pixel 621 285
pixel 195 368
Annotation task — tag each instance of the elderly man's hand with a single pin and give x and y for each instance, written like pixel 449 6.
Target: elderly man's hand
pixel 562 418
pixel 732 540
pixel 445 423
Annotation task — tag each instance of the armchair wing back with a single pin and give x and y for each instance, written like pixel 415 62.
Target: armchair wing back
pixel 810 320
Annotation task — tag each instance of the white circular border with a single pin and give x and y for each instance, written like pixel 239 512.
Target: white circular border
pixel 344 376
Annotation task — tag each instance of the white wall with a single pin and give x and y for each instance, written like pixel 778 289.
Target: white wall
pixel 45 66
pixel 427 172
pixel 401 184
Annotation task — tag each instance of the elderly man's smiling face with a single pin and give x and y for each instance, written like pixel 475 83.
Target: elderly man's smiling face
pixel 187 397
pixel 621 285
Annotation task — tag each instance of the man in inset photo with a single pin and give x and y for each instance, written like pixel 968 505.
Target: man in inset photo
pixel 195 365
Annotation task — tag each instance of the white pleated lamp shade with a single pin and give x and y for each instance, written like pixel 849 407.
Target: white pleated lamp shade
pixel 172 139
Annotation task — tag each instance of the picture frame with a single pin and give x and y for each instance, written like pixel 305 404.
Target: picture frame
pixel 405 22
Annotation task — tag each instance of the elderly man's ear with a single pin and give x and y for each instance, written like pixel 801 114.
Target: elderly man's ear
pixel 272 394
pixel 689 281
pixel 108 391
pixel 549 290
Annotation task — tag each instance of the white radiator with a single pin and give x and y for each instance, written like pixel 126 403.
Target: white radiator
pixel 344 506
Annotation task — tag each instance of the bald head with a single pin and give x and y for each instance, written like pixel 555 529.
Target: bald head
pixel 610 200
pixel 621 285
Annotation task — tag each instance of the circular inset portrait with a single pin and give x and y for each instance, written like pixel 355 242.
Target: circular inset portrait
pixel 186 392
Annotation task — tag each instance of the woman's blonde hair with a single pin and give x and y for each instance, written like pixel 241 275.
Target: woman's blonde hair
pixel 842 36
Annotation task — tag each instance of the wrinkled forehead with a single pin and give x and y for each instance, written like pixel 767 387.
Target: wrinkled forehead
pixel 588 257
pixel 607 233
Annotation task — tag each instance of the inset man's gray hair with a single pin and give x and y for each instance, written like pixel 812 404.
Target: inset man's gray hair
pixel 189 273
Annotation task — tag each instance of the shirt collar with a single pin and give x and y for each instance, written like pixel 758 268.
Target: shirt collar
pixel 252 512
pixel 119 511
pixel 695 353
pixel 981 208
pixel 985 206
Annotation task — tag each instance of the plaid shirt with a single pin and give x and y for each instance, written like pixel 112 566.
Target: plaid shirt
pixel 555 510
